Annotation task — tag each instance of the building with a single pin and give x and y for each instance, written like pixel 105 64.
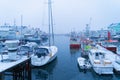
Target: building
pixel 114 28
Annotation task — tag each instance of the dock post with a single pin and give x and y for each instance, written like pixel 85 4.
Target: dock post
pixel 28 69
pixel 2 76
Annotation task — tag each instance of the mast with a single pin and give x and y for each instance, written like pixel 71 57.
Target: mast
pixel 50 22
pixel 52 25
pixel 49 5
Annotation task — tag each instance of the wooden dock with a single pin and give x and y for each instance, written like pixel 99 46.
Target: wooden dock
pixel 19 69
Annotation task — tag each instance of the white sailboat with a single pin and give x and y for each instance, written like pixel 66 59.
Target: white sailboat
pixel 46 54
pixel 100 63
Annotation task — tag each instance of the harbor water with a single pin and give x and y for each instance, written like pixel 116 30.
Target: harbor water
pixel 65 66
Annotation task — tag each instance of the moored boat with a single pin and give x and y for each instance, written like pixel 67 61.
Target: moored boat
pixel 43 55
pixel 113 57
pixel 110 45
pixel 74 40
pixel 47 53
pixel 100 63
pixel 83 63
pixel 74 44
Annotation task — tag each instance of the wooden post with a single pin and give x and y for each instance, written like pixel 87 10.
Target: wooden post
pixel 1 76
pixel 29 70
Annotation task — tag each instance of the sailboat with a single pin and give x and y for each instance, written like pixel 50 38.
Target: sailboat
pixel 45 54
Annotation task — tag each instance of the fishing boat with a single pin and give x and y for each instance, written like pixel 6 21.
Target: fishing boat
pixel 100 63
pixel 110 44
pixel 74 41
pixel 114 58
pixel 46 54
pixel 83 63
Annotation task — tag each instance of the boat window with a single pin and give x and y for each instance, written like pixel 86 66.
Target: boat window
pixel 42 50
pixel 97 56
pixel 102 55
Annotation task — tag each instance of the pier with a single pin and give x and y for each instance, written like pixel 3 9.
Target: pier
pixel 19 69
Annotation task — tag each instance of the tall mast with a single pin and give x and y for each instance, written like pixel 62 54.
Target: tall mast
pixel 52 25
pixel 49 20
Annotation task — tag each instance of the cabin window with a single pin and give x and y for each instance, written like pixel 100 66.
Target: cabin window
pixel 41 52
pixel 97 56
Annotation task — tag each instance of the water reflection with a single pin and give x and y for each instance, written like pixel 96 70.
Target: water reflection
pixel 74 50
pixel 44 72
pixel 41 74
pixel 101 77
pixel 117 75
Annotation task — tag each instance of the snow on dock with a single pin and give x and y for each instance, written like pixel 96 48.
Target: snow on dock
pixel 6 65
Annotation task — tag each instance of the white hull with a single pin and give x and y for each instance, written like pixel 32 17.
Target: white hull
pixel 103 70
pixel 113 57
pixel 83 64
pixel 35 61
pixel 100 66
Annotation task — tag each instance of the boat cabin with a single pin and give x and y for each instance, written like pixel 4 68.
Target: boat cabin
pixel 12 46
pixel 41 52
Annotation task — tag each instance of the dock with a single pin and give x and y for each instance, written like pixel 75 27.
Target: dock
pixel 19 69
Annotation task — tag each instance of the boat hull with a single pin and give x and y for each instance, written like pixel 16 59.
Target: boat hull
pixel 99 63
pixel 113 49
pixel 35 61
pixel 103 70
pixel 83 64
pixel 74 45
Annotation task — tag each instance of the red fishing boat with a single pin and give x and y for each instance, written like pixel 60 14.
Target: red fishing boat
pixel 74 41
pixel 110 44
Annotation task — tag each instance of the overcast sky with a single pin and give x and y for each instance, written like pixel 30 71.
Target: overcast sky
pixel 67 14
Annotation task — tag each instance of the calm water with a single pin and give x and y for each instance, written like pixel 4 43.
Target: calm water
pixel 65 66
